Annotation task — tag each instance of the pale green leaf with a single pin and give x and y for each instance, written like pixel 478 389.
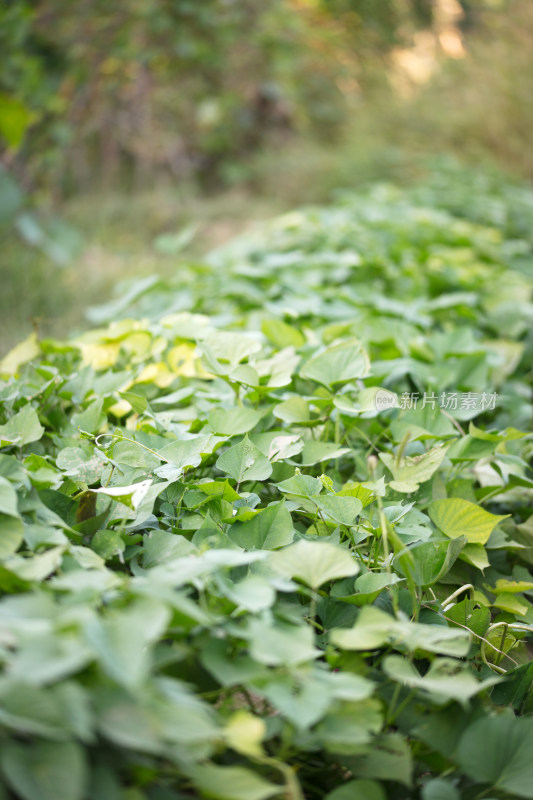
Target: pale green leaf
pixel 337 364
pixel 280 643
pixel 45 770
pixel 413 470
pixel 314 452
pixel 232 783
pixel 314 563
pixel 22 429
pixel 234 421
pixel 445 680
pixel 456 517
pixel 295 409
pixel 440 789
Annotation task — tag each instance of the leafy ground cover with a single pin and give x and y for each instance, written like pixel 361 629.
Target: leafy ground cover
pixel 266 532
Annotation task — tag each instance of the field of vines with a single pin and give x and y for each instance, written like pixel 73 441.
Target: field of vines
pixel 266 529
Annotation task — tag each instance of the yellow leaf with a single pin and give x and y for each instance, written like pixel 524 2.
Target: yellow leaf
pixel 456 517
pixel 120 409
pixel 511 587
pixel 20 354
pixel 156 373
pixel 183 361
pixel 137 344
pixel 509 602
pixel 244 733
pixel 99 356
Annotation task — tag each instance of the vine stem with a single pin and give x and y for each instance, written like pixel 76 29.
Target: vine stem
pixel 447 604
pixel 312 608
pixel 119 437
pixel 383 523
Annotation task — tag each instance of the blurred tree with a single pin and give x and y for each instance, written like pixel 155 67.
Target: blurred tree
pixel 133 87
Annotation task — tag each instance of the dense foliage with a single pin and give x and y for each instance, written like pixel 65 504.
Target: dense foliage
pixel 267 532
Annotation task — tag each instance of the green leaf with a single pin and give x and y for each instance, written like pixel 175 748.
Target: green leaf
pixel 11 534
pixel 43 659
pixel 413 470
pixel 511 603
pixel 22 429
pixel 253 593
pixel 314 563
pixel 422 423
pixel 221 489
pixel 8 499
pixel 337 364
pixel 303 702
pixel 440 789
pixel 369 790
pixel 77 464
pixel 163 546
pixel 188 452
pixel 227 348
pixel 343 510
pixel 445 680
pixel 138 402
pixel 232 783
pixel 373 582
pixel 389 760
pixel 468 615
pixel 131 496
pixel 456 517
pixel 476 555
pixel 108 543
pixel 37 567
pixel 234 421
pixel 122 640
pixel 281 334
pixel 427 562
pixel 301 485
pixel 367 587
pixel 270 528
pixel 280 643
pixel 374 628
pixel 92 418
pixel 295 409
pixel 497 751
pixel 511 587
pixel 244 461
pixel 277 446
pixel 315 452
pixel 345 729
pixel 45 770
pixel 30 711
pixel 229 666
